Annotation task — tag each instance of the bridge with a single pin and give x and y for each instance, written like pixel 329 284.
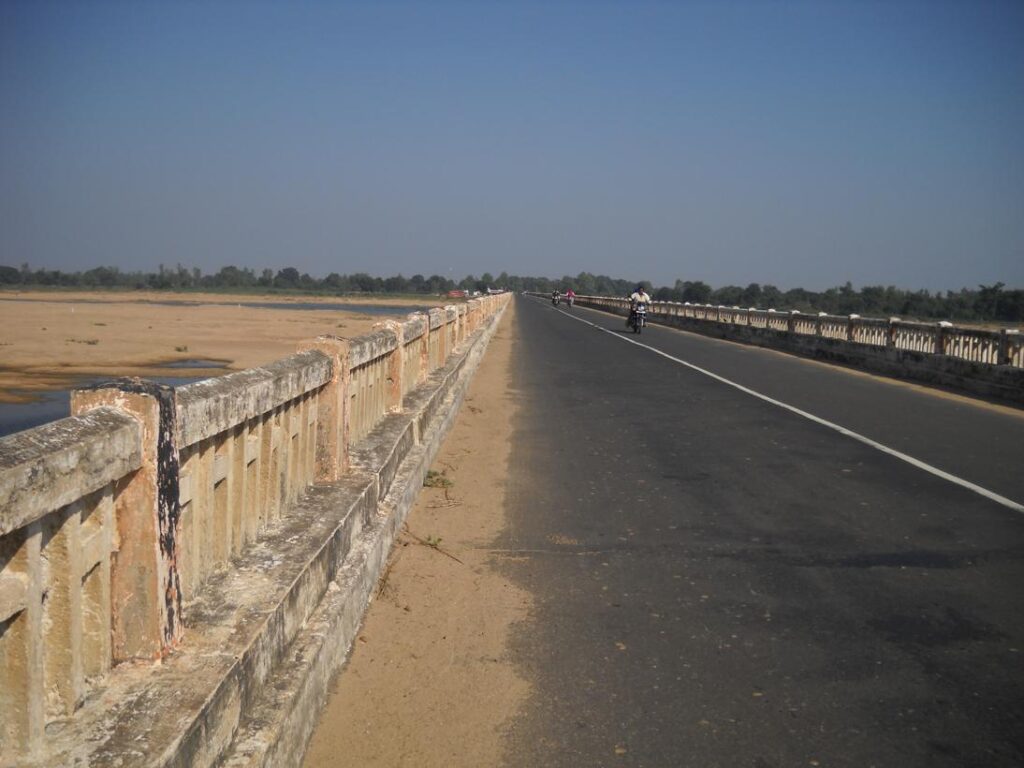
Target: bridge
pixel 762 559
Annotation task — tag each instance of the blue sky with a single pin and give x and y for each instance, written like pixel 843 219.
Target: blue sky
pixel 784 143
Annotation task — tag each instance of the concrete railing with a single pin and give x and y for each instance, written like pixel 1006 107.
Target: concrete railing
pixel 113 520
pixel 989 362
pixel 61 487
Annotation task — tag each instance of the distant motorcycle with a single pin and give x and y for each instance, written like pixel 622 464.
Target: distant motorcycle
pixel 638 318
pixel 554 299
pixel 569 300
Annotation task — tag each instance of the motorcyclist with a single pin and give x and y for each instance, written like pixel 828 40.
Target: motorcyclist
pixel 639 296
pixel 555 296
pixel 570 296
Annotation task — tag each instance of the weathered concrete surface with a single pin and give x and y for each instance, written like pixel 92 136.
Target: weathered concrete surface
pixel 437 317
pixel 384 449
pixel 148 521
pixel 259 627
pixel 997 381
pixel 280 726
pixel 333 417
pixel 371 346
pixel 415 326
pixel 426 401
pixel 395 364
pixel 185 711
pixel 212 406
pixel 51 466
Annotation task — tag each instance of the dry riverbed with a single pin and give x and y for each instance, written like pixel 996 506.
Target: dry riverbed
pixel 429 682
pixel 50 339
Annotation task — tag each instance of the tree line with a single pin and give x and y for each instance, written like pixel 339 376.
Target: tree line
pixel 986 302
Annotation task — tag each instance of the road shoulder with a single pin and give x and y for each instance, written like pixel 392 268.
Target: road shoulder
pixel 430 681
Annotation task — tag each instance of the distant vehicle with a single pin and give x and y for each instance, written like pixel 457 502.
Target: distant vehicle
pixel 456 294
pixel 638 318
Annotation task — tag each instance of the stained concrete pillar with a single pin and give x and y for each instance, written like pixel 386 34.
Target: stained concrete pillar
pixel 438 317
pixel 145 588
pixel 1004 347
pixel 424 350
pixel 394 366
pixel 332 409
pixel 942 337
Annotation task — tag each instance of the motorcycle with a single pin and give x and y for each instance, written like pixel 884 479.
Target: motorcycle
pixel 554 300
pixel 569 301
pixel 638 318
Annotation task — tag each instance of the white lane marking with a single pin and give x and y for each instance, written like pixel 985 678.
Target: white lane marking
pixel 991 495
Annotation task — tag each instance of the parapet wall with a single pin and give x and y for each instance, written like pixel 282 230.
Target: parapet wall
pixel 163 550
pixel 982 362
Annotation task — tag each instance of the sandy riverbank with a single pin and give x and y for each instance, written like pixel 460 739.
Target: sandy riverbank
pixel 48 339
pixel 214 297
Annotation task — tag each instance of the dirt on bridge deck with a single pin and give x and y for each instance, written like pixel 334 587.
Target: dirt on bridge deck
pixel 429 682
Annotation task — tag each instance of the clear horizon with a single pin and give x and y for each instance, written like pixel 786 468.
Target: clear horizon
pixel 791 144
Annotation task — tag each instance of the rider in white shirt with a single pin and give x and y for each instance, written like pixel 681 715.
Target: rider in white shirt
pixel 639 296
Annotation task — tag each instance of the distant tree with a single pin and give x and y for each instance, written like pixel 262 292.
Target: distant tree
pixel 1010 306
pixel 771 296
pixel 987 303
pixel 585 284
pixel 99 276
pixel 9 275
pixel 233 277
pixel 365 283
pixel 696 292
pixel 664 293
pixel 729 295
pixel 287 278
pixel 751 296
pixel 337 283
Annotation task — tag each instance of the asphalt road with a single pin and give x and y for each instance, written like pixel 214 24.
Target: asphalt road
pixel 723 582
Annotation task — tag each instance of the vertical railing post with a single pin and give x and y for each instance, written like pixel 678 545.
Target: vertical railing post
pixel 451 319
pixel 439 318
pixel 145 587
pixel 424 349
pixel 332 409
pixel 23 673
pixel 394 366
pixel 1003 357
pixel 851 327
pixel 941 337
pixel 890 341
